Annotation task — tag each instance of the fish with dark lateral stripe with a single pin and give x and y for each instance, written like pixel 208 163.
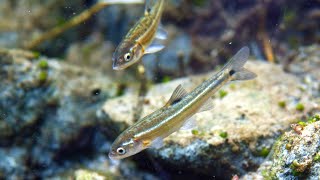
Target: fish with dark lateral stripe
pixel 143 38
pixel 178 111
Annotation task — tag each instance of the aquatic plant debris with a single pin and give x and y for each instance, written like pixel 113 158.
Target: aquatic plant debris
pixel 85 15
pixel 143 38
pixel 178 111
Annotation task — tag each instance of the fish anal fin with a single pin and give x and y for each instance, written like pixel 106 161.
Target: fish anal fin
pixel 157 143
pixel 208 105
pixel 189 124
pixel 177 95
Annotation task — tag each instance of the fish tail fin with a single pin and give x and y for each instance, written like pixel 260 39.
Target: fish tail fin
pixel 236 63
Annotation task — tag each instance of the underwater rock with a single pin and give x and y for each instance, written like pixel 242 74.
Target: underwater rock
pixel 49 109
pixel 236 135
pixel 296 155
pixel 25 92
pixel 102 168
pixel 12 164
pixel 305 64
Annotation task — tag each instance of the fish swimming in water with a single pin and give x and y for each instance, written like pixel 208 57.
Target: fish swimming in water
pixel 178 111
pixel 141 39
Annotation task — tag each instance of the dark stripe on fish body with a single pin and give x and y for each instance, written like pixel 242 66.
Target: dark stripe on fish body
pixel 176 101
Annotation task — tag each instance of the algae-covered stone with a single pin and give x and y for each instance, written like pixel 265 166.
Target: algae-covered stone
pixel 249 115
pixel 51 118
pixel 23 97
pixel 300 161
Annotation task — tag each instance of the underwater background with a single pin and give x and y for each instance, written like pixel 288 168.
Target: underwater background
pixel 62 104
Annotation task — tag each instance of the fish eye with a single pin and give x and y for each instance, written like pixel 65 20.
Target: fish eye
pixel 121 151
pixel 127 56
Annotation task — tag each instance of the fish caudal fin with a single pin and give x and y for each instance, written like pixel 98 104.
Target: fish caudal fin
pixel 236 63
pixel 244 74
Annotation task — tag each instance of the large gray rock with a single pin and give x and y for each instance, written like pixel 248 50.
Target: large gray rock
pixel 237 134
pixel 296 154
pixel 49 109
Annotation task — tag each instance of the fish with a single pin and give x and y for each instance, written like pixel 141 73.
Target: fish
pixel 178 112
pixel 143 38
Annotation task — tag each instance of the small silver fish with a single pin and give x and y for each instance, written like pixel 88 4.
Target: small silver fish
pixel 178 111
pixel 141 39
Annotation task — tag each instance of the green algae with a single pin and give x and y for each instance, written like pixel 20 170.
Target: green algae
pixel 223 134
pixel 222 93
pixel 314 118
pixel 317 157
pixel 296 168
pixel 195 132
pixel 264 152
pixel 282 104
pixel 42 76
pixel 43 64
pixel 232 86
pixel 36 54
pixel 165 79
pixel 302 123
pixel 299 107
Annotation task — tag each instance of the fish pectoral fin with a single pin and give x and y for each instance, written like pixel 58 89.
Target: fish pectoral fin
pixel 154 47
pixel 146 143
pixel 208 105
pixel 189 124
pixel 157 143
pixel 161 33
pixel 177 95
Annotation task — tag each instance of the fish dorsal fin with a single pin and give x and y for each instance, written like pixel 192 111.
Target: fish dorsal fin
pixel 208 105
pixel 148 6
pixel 177 95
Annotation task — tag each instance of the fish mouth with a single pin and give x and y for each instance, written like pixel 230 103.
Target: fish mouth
pixel 116 66
pixel 120 64
pixel 112 156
